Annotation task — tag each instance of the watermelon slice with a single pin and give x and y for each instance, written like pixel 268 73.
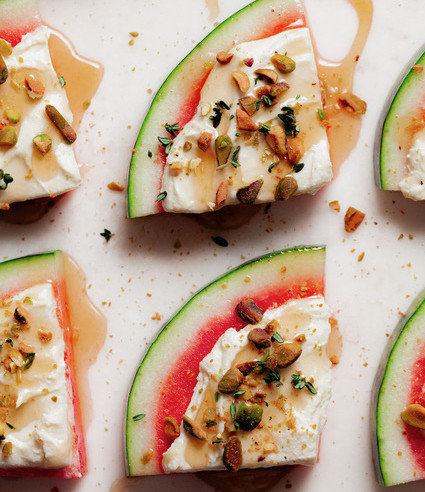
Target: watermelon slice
pixel 399 448
pixel 22 275
pixel 166 378
pixel 179 95
pixel 403 122
pixel 17 18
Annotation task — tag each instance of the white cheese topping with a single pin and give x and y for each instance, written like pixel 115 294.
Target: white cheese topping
pixel 293 434
pixel 33 53
pixel 413 185
pixel 42 435
pixel 192 185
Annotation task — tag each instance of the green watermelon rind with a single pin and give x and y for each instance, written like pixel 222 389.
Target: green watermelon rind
pixel 144 176
pixel 389 159
pixel 312 259
pixel 412 322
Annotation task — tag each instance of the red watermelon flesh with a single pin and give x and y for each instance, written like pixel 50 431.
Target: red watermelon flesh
pixel 17 18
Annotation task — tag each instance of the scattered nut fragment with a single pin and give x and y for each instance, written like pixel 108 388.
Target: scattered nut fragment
pixel 231 381
pixel 115 186
pixel 286 188
pixel 171 427
pixel 284 355
pixel 204 141
pixel 61 124
pixel 223 148
pixel 187 146
pixel 232 456
pixel 248 416
pixel 45 336
pixel 248 194
pixel 249 62
pixel 245 121
pixel 353 218
pixel 193 429
pixel 276 140
pixel 12 115
pixel 353 103
pixel 259 398
pixel 241 79
pixel 246 367
pixel 35 88
pixel 205 109
pixel 223 57
pixel 5 48
pixel 277 90
pixel 7 449
pixel 221 195
pixel 414 415
pixel 418 68
pixel 249 312
pixel 16 357
pixel 25 349
pixel 4 72
pixel 21 316
pixel 260 338
pixel 335 205
pixel 8 137
pixel 283 63
pixel 43 143
pixel 147 457
pixel 267 74
pixel 294 149
pixel 248 104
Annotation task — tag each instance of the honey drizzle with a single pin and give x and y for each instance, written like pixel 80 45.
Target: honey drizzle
pixel 337 77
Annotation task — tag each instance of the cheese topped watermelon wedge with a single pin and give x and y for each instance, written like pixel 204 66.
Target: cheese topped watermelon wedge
pixel 398 403
pixel 40 423
pixel 160 181
pixel 163 386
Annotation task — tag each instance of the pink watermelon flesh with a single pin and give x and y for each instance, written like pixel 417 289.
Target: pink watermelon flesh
pixel 17 18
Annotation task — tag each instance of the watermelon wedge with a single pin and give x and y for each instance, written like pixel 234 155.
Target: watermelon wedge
pixel 399 448
pixel 400 143
pixel 17 18
pixel 164 383
pixel 179 95
pixel 25 278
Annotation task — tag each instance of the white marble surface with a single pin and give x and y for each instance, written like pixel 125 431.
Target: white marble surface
pixel 366 296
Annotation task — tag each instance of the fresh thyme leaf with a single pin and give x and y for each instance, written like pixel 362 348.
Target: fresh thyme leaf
pixel 267 101
pixel 260 362
pixel 216 396
pixel 29 360
pixel 107 234
pixel 267 208
pixel 298 167
pixel 9 340
pixel 239 393
pixel 264 129
pixel 311 388
pixel 237 134
pixel 231 117
pixel 172 129
pixel 222 105
pixel 297 96
pixel 150 153
pixel 235 157
pixel 236 424
pixel 210 423
pixel 258 104
pixel 6 178
pixel 138 417
pixel 62 81
pixel 219 441
pixel 299 382
pixel 276 336
pixel 256 80
pixel 272 377
pixel 232 410
pixel 272 165
pixel 216 117
pixel 220 241
pixel 161 196
pixel 166 143
pixel 321 114
pixel 10 425
pixel 289 121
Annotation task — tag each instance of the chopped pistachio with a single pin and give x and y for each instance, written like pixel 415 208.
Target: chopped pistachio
pixel 35 88
pixel 414 415
pixel 267 74
pixel 204 141
pixel 248 194
pixel 42 142
pixel 284 355
pixel 231 381
pixel 8 136
pixel 245 121
pixel 12 115
pixel 5 48
pixel 4 72
pixel 223 148
pixel 7 449
pixel 61 124
pixel 260 338
pixel 232 456
pixel 241 79
pixel 248 104
pixel 249 312
pixel 248 416
pixel 193 429
pixel 283 63
pixel 286 188
pixel 223 57
pixel 171 427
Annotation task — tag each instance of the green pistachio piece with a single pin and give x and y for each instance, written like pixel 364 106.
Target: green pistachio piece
pixel 5 48
pixel 231 381
pixel 12 115
pixel 283 63
pixel 232 456
pixel 248 416
pixel 223 147
pixel 248 194
pixel 61 124
pixel 285 355
pixel 286 188
pixel 4 72
pixel 42 142
pixel 8 136
pixel 193 429
pixel 249 312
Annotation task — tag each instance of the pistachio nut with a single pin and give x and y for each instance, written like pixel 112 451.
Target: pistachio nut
pixel 249 312
pixel 231 381
pixel 283 63
pixel 414 415
pixel 260 338
pixel 223 148
pixel 4 72
pixel 248 194
pixel 232 456
pixel 286 188
pixel 267 74
pixel 42 142
pixel 193 429
pixel 248 416
pixel 248 104
pixel 284 355
pixel 61 124
pixel 8 136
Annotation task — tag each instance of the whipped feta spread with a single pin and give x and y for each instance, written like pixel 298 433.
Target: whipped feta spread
pixel 41 435
pixel 34 175
pixel 413 184
pixel 191 177
pixel 293 419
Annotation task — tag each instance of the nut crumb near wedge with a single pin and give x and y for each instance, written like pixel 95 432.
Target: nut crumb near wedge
pixel 353 218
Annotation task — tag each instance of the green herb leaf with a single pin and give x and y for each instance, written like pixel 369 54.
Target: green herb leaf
pixel 166 143
pixel 311 388
pixel 216 117
pixel 150 153
pixel 231 117
pixel 260 362
pixel 172 129
pixel 9 340
pixel 62 81
pixel 220 241
pixel 235 157
pixel 210 423
pixel 232 410
pixel 10 425
pixel 161 196
pixel 272 377
pixel 239 393
pixel 138 417
pixel 219 441
pixel 237 134
pixel 272 165
pixel 216 396
pixel 297 96
pixel 267 101
pixel 321 114
pixel 258 103
pixel 298 167
pixel 276 337
pixel 236 424
pixel 256 80
pixel 299 382
pixel 6 178
pixel 289 121
pixel 222 105
pixel 107 234
pixel 264 129
pixel 28 361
